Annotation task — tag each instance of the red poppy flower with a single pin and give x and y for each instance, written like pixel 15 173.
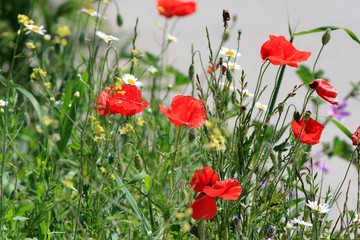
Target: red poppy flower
pixel 180 8
pixel 125 100
pixel 325 90
pixel 280 51
pixel 309 130
pixel 355 137
pixel 185 110
pixel 206 182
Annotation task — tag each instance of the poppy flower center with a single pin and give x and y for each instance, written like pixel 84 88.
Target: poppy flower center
pixel 230 53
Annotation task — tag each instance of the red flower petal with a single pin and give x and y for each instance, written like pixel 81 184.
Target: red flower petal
pixel 203 207
pixel 185 110
pixel 171 8
pixel 125 101
pixel 280 51
pixel 203 177
pixel 355 137
pixel 310 130
pixel 325 90
pixel 227 189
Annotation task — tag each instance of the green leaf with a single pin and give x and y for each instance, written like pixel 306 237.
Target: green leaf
pixel 323 29
pixel 180 79
pixel 341 149
pixel 151 59
pixel 33 101
pixel 138 177
pixel 341 127
pixel 131 200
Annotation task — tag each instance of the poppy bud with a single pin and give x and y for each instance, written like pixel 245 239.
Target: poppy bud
pixel 191 72
pixel 326 37
pixel 191 136
pixel 297 116
pixel 355 137
pixel 138 162
pixel 119 20
pixel 307 115
pixel 226 17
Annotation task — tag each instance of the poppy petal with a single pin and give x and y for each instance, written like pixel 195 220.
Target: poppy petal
pixel 227 189
pixel 203 207
pixel 203 177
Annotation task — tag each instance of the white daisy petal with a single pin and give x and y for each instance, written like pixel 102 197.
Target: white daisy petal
pixel 224 51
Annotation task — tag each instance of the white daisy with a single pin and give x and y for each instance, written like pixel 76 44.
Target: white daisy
pixel 106 38
pixel 3 103
pixel 90 11
pixel 232 65
pixel 261 106
pixel 36 29
pixel 301 223
pixel 171 38
pixel 152 69
pixel 229 52
pixel 322 207
pixel 130 79
pixel 356 218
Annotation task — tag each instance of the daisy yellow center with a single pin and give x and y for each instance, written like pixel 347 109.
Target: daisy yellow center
pixel 318 208
pixel 230 66
pixel 90 11
pixel 108 38
pixel 230 53
pixel 35 29
pixel 131 81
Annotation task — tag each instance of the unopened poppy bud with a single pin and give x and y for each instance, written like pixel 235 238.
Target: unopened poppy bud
pixel 191 136
pixel 297 116
pixel 138 162
pixel 226 17
pixel 191 72
pixel 307 115
pixel 281 107
pixel 119 20
pixel 326 36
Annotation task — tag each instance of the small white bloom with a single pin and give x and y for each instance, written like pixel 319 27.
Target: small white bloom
pixel 106 38
pixel 36 29
pixel 301 223
pixel 322 207
pixel 77 94
pixel 171 38
pixel 247 93
pixel 261 106
pixel 47 37
pixel 356 218
pixel 232 65
pixel 90 11
pixel 229 52
pixel 152 70
pixel 130 79
pixel 3 103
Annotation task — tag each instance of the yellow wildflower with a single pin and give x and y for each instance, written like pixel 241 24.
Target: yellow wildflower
pixel 23 19
pixel 126 129
pixel 63 31
pixel 103 169
pixel 140 121
pixel 30 45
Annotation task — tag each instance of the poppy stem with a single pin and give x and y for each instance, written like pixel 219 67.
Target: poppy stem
pixel 177 139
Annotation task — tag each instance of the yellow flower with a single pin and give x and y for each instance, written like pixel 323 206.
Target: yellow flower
pixel 63 31
pixel 47 120
pixel 68 183
pixel 140 121
pixel 30 45
pixel 112 177
pixel 47 85
pixel 23 19
pixel 103 169
pixel 126 129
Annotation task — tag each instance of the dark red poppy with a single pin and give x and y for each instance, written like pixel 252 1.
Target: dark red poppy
pixel 125 100
pixel 307 131
pixel 280 51
pixel 355 137
pixel 185 110
pixel 325 90
pixel 206 182
pixel 179 8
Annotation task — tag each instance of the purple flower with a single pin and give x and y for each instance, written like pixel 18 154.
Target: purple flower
pixel 321 165
pixel 338 111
